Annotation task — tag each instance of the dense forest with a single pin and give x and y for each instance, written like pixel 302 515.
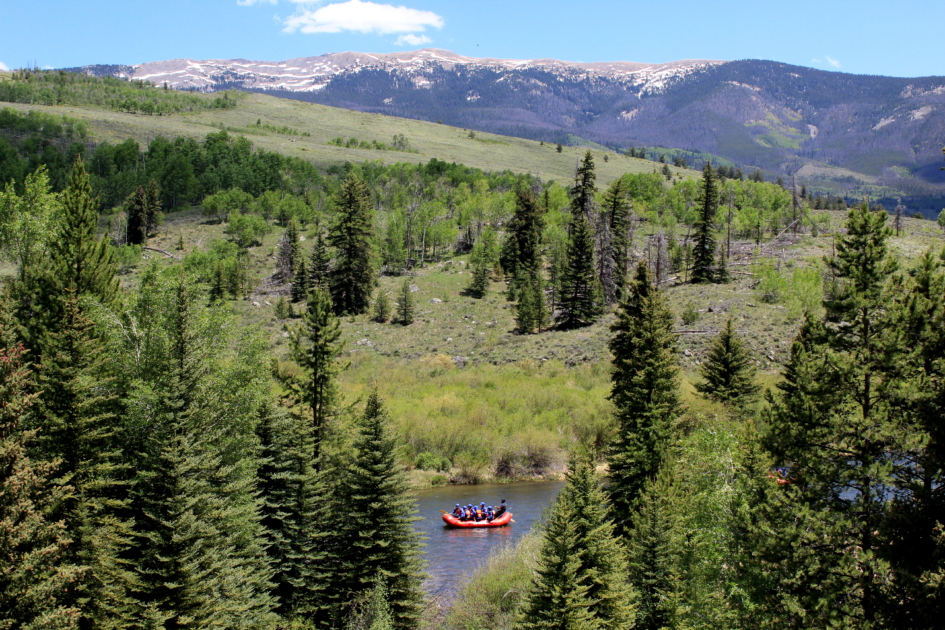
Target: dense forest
pixel 162 467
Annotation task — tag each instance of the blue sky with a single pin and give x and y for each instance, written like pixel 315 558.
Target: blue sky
pixel 866 37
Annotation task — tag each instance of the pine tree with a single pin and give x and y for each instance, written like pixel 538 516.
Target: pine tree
pixel 200 561
pixel 405 305
pixel 654 549
pixel 374 539
pixel 352 278
pixel 834 420
pixel 77 429
pixel 525 314
pixel 77 261
pixel 289 252
pixel 153 195
pixel 218 287
pixel 645 392
pixel 319 262
pixel 728 371
pixel 136 207
pixel 315 349
pixel 289 492
pixel 531 314
pixel 34 573
pixel 704 263
pixel 582 576
pixel 522 250
pixel 617 207
pixel 581 301
pixel 300 281
pixel 381 307
pixel 584 189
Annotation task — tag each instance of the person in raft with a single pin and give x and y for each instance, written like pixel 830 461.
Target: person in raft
pixel 502 509
pixel 457 511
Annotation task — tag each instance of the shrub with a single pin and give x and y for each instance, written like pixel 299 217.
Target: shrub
pixel 429 461
pixel 690 315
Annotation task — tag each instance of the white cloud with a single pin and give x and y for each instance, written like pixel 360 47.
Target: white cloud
pixel 3 67
pixel 833 62
pixel 412 40
pixel 249 3
pixel 364 17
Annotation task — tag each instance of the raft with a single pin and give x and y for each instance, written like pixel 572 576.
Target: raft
pixel 452 521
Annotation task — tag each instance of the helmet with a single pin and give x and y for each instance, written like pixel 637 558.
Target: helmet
pixel 457 505
pixel 490 507
pixel 483 504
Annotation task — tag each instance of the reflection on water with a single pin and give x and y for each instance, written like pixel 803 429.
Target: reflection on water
pixel 451 553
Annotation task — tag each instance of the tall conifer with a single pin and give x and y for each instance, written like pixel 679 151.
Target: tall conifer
pixel 582 573
pixel 35 574
pixel 315 349
pixel 645 392
pixel 584 189
pixel 352 278
pixel 581 300
pixel 373 540
pixel 319 262
pixel 200 557
pixel 617 207
pixel 834 422
pixel 703 253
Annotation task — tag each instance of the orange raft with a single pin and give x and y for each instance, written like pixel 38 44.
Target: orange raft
pixel 452 521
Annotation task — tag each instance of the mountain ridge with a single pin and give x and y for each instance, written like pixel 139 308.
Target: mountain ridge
pixel 783 119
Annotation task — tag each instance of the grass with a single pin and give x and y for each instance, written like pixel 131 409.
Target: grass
pixel 487 151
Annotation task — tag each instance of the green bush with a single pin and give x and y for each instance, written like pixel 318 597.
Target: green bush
pixel 690 315
pixel 429 461
pixel 247 229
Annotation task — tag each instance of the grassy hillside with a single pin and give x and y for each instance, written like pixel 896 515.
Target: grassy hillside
pixel 321 124
pixel 462 384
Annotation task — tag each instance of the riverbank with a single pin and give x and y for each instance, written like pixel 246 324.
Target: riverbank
pixel 427 479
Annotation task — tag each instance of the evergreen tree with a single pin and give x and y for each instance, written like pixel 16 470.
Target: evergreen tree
pixel 319 262
pixel 289 252
pixel 315 349
pixel 352 236
pixel 655 553
pixel 218 287
pixel 913 543
pixel 289 492
pixel 522 250
pixel 617 207
pixel 200 560
pixel 35 574
pixel 381 307
pixel 834 420
pixel 300 281
pixel 728 371
pixel 704 263
pixel 77 429
pixel 373 539
pixel 581 301
pixel 645 392
pixel 531 314
pixel 584 189
pixel 405 307
pixel 136 207
pixel 582 576
pixel 77 261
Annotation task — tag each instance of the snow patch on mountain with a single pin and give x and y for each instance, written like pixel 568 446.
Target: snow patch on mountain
pixel 315 73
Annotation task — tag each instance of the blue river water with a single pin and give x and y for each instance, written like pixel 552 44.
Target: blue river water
pixel 452 553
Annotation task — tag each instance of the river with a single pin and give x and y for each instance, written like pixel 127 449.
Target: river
pixel 452 554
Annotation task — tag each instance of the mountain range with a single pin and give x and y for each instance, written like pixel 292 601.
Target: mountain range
pixel 837 132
